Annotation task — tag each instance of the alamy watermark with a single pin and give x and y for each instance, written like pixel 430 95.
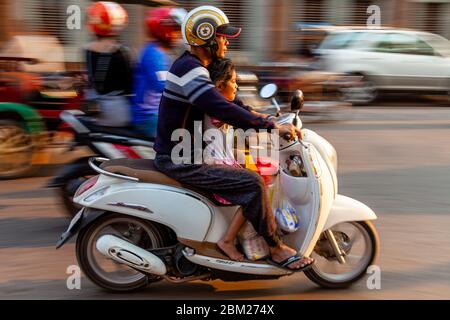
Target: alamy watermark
pixel 374 280
pixel 217 146
pixel 73 21
pixel 374 20
pixel 73 281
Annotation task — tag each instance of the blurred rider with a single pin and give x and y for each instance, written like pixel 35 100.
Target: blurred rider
pixel 109 64
pixel 164 27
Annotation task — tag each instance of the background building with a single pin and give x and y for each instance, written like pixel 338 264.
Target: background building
pixel 269 26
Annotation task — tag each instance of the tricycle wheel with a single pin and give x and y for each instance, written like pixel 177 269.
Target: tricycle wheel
pixel 16 150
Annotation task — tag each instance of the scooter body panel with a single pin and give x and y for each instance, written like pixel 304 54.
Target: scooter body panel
pixel 311 196
pixel 348 209
pixel 186 213
pixel 220 221
pixel 326 151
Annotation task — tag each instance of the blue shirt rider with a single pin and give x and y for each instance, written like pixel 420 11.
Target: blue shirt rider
pixel 163 25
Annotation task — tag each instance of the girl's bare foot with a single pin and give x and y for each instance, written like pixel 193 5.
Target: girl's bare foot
pixel 230 250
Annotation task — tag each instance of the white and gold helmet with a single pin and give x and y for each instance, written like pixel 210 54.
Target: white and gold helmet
pixel 201 25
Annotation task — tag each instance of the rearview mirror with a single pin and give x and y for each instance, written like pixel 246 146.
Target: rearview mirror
pixel 268 91
pixel 297 100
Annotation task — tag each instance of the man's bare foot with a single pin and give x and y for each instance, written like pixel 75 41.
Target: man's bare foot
pixel 283 252
pixel 230 250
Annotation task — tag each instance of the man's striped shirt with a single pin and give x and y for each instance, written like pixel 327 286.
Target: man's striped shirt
pixel 188 95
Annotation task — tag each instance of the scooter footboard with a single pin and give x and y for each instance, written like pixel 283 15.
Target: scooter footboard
pixel 348 209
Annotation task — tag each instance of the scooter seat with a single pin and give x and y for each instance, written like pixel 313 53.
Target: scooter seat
pixel 145 171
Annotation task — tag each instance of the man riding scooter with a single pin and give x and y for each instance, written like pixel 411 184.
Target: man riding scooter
pixel 188 95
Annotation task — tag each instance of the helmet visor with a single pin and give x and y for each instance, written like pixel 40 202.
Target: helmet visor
pixel 226 30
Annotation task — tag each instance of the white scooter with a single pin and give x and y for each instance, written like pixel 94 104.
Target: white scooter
pixel 139 226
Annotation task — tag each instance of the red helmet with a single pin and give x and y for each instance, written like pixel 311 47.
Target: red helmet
pixel 106 18
pixel 164 23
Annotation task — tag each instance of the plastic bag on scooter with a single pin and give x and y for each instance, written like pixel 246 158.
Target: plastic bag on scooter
pixel 286 219
pixel 253 245
pixel 285 215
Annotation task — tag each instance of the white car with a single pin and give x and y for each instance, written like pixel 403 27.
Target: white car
pixel 387 60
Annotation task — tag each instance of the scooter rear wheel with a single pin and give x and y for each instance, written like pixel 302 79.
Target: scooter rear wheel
pixel 327 272
pixel 105 272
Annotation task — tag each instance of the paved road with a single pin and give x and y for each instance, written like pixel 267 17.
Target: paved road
pixel 394 157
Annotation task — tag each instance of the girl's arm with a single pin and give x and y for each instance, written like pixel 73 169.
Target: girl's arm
pixel 242 105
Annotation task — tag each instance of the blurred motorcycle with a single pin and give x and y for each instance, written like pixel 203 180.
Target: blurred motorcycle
pixel 103 141
pixel 323 90
pixel 30 105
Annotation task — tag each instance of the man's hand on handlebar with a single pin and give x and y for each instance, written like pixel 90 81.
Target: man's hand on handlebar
pixel 288 131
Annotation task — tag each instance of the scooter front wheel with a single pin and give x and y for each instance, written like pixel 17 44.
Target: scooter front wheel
pixel 106 272
pixel 359 245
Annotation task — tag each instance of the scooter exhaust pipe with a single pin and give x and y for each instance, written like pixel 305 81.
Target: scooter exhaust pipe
pixel 127 253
